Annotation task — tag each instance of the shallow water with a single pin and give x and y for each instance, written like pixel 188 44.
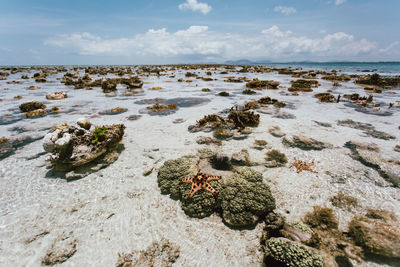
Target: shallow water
pixel 32 203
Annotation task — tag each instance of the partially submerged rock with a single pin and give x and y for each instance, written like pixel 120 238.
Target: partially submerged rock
pixel 75 149
pixel 378 233
pixel 275 158
pixel 276 131
pixel 305 143
pixel 31 105
pixel 56 96
pixel 258 84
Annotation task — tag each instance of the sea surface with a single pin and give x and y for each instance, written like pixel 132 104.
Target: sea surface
pixel 383 68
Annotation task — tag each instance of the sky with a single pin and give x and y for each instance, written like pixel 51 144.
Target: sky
pixel 77 32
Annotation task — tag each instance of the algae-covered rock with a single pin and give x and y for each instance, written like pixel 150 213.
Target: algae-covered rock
pixel 245 198
pixel 74 148
pixel 377 233
pixel 292 253
pixel 203 203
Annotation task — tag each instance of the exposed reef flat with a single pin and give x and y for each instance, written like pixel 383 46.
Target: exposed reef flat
pixel 301 166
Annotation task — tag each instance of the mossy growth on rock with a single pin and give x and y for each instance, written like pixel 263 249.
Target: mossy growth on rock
pixel 245 198
pixel 242 199
pixel 341 200
pixel 275 158
pixel 321 217
pixel 98 135
pixel 292 253
pixel 161 107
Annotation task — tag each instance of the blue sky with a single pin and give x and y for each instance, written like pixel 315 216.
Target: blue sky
pixel 191 31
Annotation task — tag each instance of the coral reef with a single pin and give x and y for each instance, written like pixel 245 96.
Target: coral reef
pixel 242 199
pixel 223 94
pixel 326 97
pixel 292 253
pixel 258 84
pixel 245 198
pixel 377 80
pixel 303 85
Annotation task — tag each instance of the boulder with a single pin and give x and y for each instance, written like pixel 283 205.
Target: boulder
pixel 56 96
pixel 74 147
pixel 31 105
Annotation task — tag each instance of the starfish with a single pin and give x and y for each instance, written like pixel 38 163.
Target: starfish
pixel 302 166
pixel 199 181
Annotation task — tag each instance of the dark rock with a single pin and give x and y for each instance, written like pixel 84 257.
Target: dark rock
pixel 31 105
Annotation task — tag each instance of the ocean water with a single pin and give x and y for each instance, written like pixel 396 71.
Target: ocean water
pixel 383 68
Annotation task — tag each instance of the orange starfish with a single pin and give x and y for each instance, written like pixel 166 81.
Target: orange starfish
pixel 199 181
pixel 303 166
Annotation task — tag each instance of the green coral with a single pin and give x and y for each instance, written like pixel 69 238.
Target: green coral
pixel 203 203
pixel 292 253
pixel 245 198
pixel 97 134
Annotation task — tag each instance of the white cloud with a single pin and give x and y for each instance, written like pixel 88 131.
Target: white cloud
pixel 339 2
pixel 195 6
pixel 287 10
pixel 199 43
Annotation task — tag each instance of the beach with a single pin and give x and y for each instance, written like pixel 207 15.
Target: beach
pixel 119 209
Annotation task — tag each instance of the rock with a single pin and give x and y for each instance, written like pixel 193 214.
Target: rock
pixel 113 111
pixel 292 253
pixel 397 148
pixel 258 84
pixel 207 140
pixel 223 133
pixel 378 233
pixel 84 123
pixel 245 198
pixel 275 158
pixel 63 248
pixel 76 149
pixel 32 87
pixel 56 96
pixel 109 86
pixel 36 113
pixel 305 143
pixel 260 144
pixel 31 105
pixel 276 131
pixel 368 154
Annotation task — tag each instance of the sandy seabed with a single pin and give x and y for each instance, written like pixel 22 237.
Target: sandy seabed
pixel 119 210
